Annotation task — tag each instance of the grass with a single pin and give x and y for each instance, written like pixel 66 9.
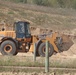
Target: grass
pixel 10 12
pixel 17 70
pixel 40 62
pixel 17 61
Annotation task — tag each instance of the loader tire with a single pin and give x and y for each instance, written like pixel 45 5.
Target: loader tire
pixel 42 49
pixel 8 48
pixel 15 53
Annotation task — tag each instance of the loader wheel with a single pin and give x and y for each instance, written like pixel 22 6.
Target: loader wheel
pixel 42 50
pixel 15 53
pixel 8 48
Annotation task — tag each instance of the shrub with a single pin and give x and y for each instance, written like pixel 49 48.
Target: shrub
pixel 74 4
pixel 51 3
pixel 17 1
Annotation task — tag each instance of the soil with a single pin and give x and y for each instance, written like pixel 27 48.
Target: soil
pixel 23 73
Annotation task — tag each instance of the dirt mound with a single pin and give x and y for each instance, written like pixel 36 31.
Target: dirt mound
pixel 38 30
pixel 71 51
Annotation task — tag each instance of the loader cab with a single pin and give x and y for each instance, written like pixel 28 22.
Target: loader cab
pixel 22 30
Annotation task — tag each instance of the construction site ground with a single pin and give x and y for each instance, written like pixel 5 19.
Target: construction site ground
pixel 42 21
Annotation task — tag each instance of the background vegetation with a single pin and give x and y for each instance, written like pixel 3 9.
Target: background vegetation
pixel 51 3
pixel 57 15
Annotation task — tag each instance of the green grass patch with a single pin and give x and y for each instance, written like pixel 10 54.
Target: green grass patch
pixel 13 61
pixel 10 12
pixel 40 62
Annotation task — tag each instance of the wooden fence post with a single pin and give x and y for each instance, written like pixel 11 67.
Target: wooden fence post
pixel 47 57
pixel 34 58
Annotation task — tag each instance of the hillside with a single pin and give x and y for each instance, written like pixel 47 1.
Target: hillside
pixel 57 19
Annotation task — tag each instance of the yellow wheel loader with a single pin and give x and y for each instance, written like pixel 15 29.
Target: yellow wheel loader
pixel 21 40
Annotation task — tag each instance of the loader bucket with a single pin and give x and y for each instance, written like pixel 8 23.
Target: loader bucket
pixel 67 42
